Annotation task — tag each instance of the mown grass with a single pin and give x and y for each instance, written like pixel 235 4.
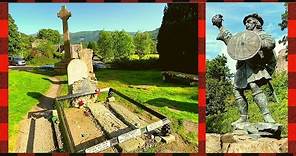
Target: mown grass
pixel 221 123
pixel 24 90
pixel 178 102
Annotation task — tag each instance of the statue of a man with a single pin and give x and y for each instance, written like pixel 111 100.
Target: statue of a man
pixel 254 72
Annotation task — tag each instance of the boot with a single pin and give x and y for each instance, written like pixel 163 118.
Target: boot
pixel 261 101
pixel 268 118
pixel 243 118
pixel 243 107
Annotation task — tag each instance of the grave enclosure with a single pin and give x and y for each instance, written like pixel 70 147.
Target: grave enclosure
pixel 83 122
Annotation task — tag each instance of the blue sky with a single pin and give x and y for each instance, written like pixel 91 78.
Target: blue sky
pixel 130 17
pixel 233 14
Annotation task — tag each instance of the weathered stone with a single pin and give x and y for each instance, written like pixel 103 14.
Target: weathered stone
pixel 168 139
pixel 132 145
pixel 227 138
pixel 262 129
pixel 283 143
pixel 110 123
pixel 77 70
pixel 64 14
pixel 157 139
pixel 83 86
pixel 262 145
pixel 282 61
pixel 128 115
pixel 244 143
pixel 111 99
pixel 75 49
pixel 213 143
pixel 86 56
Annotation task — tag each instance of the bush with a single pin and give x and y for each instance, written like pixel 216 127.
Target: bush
pixel 136 64
pixel 218 85
pixel 39 61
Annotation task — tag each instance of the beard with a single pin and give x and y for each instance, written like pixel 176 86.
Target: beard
pixel 250 26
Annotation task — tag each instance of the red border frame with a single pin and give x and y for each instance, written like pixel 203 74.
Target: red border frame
pixel 292 78
pixel 201 71
pixel 4 77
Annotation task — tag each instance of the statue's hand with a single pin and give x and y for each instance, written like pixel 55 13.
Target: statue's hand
pixel 217 20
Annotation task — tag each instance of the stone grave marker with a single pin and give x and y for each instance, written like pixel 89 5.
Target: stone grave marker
pixel 77 70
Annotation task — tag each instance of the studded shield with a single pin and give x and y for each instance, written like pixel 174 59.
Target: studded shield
pixel 244 45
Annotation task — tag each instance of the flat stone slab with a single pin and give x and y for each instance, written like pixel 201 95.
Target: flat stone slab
pixel 107 120
pixel 114 126
pixel 128 115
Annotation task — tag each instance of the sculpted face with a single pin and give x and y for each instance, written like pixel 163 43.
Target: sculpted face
pixel 252 23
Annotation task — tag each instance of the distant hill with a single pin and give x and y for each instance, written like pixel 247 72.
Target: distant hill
pixel 87 36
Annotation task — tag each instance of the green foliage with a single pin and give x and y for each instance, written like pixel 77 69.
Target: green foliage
pixel 218 85
pixel 50 35
pixel 136 64
pixel 284 16
pixel 13 37
pixel 123 45
pixel 92 45
pixel 46 48
pixel 105 45
pixel 177 41
pixel 143 44
pixel 42 60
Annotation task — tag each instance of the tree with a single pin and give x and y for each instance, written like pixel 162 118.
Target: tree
pixel 143 44
pixel 123 45
pixel 50 35
pixel 25 45
pixel 218 84
pixel 177 38
pixel 46 48
pixel 284 23
pixel 105 46
pixel 13 37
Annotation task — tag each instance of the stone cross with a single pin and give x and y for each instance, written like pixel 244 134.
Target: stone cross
pixel 64 14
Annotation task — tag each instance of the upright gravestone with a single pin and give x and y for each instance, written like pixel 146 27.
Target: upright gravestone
pixel 77 70
pixel 78 79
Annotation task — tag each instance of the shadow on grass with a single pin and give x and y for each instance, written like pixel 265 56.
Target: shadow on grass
pixel 44 101
pixel 177 105
pixel 55 82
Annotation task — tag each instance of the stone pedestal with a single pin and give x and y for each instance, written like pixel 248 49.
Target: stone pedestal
pixel 260 129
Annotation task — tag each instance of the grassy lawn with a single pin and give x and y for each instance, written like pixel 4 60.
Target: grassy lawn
pixel 24 90
pixel 178 102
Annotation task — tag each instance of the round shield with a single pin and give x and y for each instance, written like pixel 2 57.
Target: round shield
pixel 244 45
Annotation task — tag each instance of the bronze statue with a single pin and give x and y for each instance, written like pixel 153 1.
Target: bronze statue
pixel 253 50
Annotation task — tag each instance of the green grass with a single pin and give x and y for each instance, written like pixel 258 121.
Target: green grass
pixel 24 90
pixel 178 102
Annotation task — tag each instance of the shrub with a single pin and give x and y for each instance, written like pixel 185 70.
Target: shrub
pixel 136 64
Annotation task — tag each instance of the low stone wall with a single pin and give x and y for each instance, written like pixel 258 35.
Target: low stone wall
pixel 240 142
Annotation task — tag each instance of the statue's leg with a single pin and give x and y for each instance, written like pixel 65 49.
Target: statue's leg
pixel 242 105
pixel 261 101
